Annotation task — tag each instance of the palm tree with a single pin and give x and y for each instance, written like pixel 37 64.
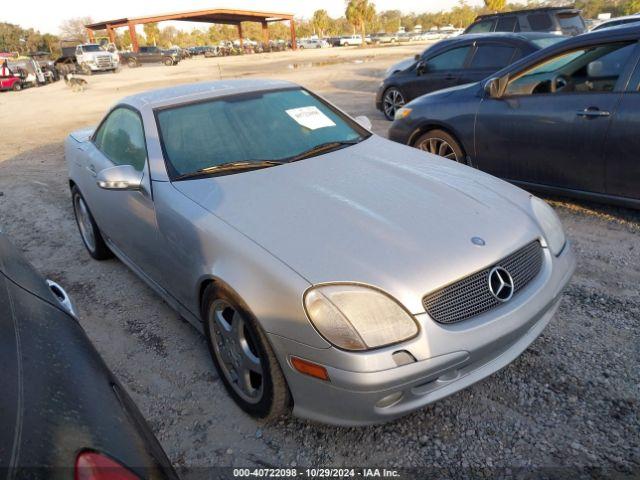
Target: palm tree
pixel 495 5
pixel 358 13
pixel 320 21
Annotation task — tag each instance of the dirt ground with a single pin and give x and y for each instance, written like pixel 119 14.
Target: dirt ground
pixel 571 400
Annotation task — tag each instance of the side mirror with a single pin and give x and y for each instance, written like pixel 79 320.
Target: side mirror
pixel 120 177
pixel 416 57
pixel 364 121
pixel 422 67
pixel 494 87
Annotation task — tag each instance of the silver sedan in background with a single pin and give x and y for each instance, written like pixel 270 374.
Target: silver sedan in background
pixel 332 271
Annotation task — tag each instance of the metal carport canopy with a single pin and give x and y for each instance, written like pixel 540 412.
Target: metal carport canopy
pixel 219 16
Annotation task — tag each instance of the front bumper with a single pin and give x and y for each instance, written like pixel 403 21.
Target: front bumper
pixel 448 358
pixel 379 93
pixel 402 130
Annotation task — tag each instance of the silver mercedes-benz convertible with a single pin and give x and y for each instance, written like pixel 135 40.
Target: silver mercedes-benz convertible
pixel 333 272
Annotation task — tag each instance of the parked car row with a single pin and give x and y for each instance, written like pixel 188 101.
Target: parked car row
pixel 455 61
pixel 561 120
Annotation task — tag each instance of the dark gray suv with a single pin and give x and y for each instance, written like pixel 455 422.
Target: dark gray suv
pixel 560 20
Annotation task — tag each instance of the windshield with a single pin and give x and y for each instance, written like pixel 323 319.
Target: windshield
pixel 92 48
pixel 255 127
pixel 547 41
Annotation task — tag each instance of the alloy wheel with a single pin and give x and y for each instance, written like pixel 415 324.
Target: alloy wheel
pixel 84 222
pixel 235 349
pixel 393 100
pixel 438 146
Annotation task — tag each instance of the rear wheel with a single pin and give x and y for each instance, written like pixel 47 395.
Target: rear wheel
pixel 392 101
pixel 132 63
pixel 168 62
pixel 243 357
pixel 17 87
pixel 441 143
pixel 89 232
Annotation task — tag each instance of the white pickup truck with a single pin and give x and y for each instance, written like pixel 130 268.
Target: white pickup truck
pixel 78 57
pixel 92 57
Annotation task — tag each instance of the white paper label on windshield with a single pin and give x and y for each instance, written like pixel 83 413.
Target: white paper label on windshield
pixel 310 117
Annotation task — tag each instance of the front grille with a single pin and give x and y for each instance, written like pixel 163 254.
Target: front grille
pixel 103 61
pixel 470 296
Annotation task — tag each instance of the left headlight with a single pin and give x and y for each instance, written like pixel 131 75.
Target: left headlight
pixel 550 225
pixel 357 317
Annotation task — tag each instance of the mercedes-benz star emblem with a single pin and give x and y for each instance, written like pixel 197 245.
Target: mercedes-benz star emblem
pixel 478 241
pixel 500 284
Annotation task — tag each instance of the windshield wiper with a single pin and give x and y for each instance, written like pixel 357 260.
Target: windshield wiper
pixel 229 167
pixel 322 148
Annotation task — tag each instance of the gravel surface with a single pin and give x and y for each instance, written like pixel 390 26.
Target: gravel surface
pixel 571 400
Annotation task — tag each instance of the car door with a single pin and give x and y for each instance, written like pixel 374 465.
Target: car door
pixel 550 125
pixel 488 57
pixel 622 162
pixel 508 23
pixel 155 55
pixel 125 217
pixel 436 71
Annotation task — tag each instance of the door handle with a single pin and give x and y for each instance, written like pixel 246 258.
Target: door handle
pixel 592 112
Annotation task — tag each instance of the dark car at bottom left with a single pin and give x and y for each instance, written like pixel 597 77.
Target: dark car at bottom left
pixel 63 413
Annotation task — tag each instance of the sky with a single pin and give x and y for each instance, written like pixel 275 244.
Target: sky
pixel 46 16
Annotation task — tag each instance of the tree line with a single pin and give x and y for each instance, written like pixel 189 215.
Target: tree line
pixel 360 17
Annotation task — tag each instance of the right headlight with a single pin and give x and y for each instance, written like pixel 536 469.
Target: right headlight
pixel 357 317
pixel 549 224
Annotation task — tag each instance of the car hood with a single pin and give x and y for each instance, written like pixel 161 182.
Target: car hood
pixel 378 213
pixel 447 92
pixel 401 65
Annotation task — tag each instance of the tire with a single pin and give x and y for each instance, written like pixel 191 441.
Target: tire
pixel 345 44
pixel 222 312
pixel 392 100
pixel 132 63
pixel 89 231
pixel 168 62
pixel 86 69
pixel 441 143
pixel 16 87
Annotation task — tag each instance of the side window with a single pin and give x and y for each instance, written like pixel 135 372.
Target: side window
pixel 492 56
pixel 121 139
pixel 540 22
pixel 482 27
pixel 507 24
pixel 449 60
pixel 589 70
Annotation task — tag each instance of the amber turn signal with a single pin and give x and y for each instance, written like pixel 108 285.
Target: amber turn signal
pixel 310 368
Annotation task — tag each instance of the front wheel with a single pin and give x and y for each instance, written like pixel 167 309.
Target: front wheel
pixel 440 143
pixel 168 62
pixel 89 232
pixel 86 69
pixel 243 357
pixel 392 101
pixel 17 87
